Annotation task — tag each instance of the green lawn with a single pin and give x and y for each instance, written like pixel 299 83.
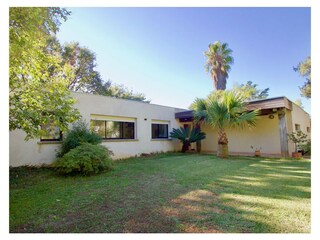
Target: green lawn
pixel 166 193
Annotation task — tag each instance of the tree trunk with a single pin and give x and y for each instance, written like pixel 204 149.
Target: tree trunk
pixel 185 147
pixel 220 81
pixel 222 150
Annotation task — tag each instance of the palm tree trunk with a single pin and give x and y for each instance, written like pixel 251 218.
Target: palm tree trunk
pixel 185 147
pixel 220 81
pixel 222 144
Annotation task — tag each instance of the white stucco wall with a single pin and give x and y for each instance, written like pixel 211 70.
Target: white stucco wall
pixel 299 116
pixel 264 135
pixel 34 152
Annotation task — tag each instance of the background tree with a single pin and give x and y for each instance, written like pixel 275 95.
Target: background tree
pixel 299 103
pixel 304 69
pixel 251 92
pixel 38 92
pixel 120 91
pixel 218 64
pixel 223 110
pixel 83 62
pixel 86 78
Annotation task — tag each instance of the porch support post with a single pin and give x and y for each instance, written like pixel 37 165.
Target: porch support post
pixel 198 143
pixel 283 133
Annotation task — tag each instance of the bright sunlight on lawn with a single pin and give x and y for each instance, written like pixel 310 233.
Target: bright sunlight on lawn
pixel 166 193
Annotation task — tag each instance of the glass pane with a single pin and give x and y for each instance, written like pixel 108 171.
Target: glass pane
pixel 113 129
pixel 163 131
pixel 159 130
pixel 53 132
pixel 128 130
pixel 154 131
pixel 98 127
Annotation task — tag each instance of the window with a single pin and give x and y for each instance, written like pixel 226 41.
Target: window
pixel 53 133
pixel 297 127
pixel 308 129
pixel 113 129
pixel 159 130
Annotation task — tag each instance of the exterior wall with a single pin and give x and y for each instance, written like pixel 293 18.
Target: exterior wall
pixel 299 116
pixel 264 135
pixel 34 152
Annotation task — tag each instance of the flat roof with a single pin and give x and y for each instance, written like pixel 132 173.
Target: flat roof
pixel 264 104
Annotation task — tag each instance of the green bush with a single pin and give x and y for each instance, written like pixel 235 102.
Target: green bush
pixel 78 135
pixel 306 148
pixel 85 159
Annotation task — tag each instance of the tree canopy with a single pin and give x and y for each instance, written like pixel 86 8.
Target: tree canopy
pixel 38 92
pixel 223 110
pixel 304 69
pixel 251 92
pixel 218 63
pixel 86 77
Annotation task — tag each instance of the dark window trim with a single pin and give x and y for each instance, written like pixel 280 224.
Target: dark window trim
pixel 52 140
pixel 157 124
pixel 121 129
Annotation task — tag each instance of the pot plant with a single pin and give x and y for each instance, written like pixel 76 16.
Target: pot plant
pixel 187 137
pixel 257 151
pixel 299 139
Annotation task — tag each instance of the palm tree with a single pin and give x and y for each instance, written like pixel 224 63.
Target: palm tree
pixel 218 63
pixel 187 137
pixel 223 110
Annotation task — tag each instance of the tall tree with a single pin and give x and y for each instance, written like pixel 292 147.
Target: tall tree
pixel 223 110
pixel 120 91
pixel 251 91
pixel 86 77
pixel 304 69
pixel 218 63
pixel 83 61
pixel 38 92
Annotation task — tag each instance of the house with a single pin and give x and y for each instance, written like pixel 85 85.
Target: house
pixel 130 128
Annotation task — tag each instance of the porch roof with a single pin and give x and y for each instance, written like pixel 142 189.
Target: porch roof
pixel 267 106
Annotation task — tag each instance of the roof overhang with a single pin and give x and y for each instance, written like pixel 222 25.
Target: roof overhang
pixel 267 106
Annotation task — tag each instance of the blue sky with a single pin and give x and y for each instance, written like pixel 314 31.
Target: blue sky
pixel 159 51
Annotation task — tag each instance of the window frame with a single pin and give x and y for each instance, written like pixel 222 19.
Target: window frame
pixel 157 137
pixel 121 130
pixel 52 139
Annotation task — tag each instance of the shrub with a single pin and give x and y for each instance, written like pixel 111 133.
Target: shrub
pixel 306 148
pixel 187 137
pixel 85 159
pixel 78 135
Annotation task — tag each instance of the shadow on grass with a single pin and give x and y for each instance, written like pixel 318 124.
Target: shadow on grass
pixel 170 193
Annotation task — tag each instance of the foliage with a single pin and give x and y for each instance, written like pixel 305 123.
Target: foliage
pixel 187 137
pixel 120 91
pixel 251 91
pixel 222 110
pixel 304 69
pixel 298 138
pixel 84 159
pixel 218 63
pixel 78 135
pixel 38 82
pixel 306 148
pixel 86 78
pixel 83 63
pixel 299 103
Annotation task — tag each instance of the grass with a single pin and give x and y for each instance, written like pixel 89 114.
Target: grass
pixel 167 193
